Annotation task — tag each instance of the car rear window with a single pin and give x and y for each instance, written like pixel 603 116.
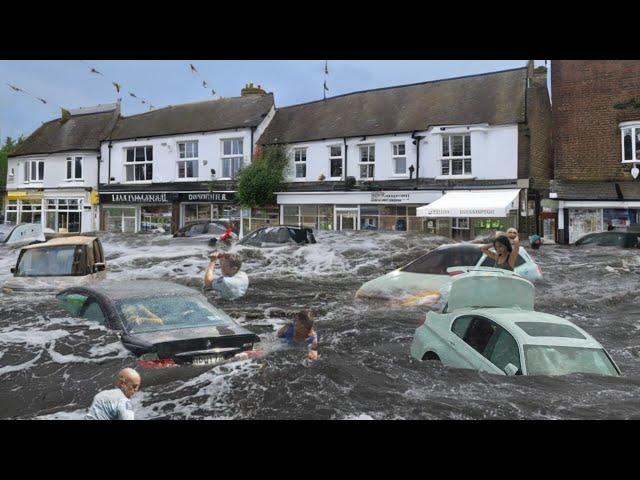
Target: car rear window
pixel 543 329
pixel 437 261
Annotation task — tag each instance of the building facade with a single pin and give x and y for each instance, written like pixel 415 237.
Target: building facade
pixel 368 160
pixel 52 176
pixel 174 165
pixel 596 128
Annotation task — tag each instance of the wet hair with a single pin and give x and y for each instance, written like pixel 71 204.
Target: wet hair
pixel 233 260
pixel 504 241
pixel 305 318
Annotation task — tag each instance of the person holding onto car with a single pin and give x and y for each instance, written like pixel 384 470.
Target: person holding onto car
pixel 114 404
pixel 300 332
pixel 232 283
pixel 505 254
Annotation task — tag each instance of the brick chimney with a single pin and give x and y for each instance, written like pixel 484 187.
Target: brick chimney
pixel 250 89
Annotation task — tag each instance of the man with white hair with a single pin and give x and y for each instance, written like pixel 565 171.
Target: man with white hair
pixel 114 404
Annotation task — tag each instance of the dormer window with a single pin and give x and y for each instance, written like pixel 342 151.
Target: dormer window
pixel 630 141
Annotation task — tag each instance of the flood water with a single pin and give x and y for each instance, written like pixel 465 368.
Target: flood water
pixel 51 365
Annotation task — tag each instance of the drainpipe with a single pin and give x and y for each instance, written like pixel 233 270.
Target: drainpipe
pixel 344 173
pixel 251 153
pixel 417 140
pixel 109 170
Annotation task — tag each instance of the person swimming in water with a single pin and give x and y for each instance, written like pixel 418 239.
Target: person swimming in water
pixel 506 252
pixel 300 332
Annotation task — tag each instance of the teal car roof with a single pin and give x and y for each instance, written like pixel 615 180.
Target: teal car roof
pixel 508 317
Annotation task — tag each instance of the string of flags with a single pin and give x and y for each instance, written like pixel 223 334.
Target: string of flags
pixel 326 73
pixel 18 89
pixel 195 72
pixel 118 87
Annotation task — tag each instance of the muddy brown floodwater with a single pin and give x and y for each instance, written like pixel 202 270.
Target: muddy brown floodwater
pixel 51 365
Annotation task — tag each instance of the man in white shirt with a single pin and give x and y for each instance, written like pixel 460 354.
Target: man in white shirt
pixel 115 404
pixel 232 283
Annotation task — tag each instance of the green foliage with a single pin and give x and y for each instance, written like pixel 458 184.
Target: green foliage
pixel 5 150
pixel 258 182
pixel 634 103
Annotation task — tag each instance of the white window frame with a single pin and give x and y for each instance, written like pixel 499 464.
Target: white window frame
pixel 455 223
pixel 336 157
pixel 370 163
pixel 395 156
pixel 11 174
pixel 73 161
pixel 635 134
pixel 300 159
pixel 188 159
pixel 29 171
pixel 134 163
pixel 450 157
pixel 232 157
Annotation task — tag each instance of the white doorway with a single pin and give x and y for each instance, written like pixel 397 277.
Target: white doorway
pixel 347 218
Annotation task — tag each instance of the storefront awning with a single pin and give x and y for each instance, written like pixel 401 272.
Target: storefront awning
pixel 476 204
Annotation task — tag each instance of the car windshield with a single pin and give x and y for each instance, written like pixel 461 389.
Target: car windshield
pixel 559 360
pixel 5 230
pixel 169 313
pixel 437 261
pixel 52 261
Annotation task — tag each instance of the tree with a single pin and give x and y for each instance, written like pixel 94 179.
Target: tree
pixel 258 182
pixel 5 150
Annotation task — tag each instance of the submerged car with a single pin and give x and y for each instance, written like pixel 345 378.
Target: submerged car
pixel 611 239
pixel 489 324
pixel 15 236
pixel 281 234
pixel 59 263
pixel 212 231
pixel 424 280
pixel 163 324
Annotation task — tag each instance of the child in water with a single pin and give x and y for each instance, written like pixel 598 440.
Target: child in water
pixel 300 332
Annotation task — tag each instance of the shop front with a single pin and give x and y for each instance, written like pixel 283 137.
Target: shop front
pixel 582 218
pixel 473 213
pixel 380 210
pixel 163 212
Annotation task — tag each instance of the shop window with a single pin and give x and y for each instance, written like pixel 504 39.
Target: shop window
pixel 460 228
pixel 367 161
pixel 335 161
pixel 456 155
pixel 630 142
pixel 300 162
pixel 11 215
pixel 30 212
pixel 64 215
pixel 291 215
pixel 399 159
pixel 156 219
pixel 139 164
pixel 232 156
pixel 74 168
pixel 188 159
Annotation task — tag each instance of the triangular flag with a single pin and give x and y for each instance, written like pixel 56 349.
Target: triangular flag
pixel 325 86
pixel 193 69
pixel 133 95
pixel 66 114
pixel 204 83
pixel 213 92
pixel 42 100
pixel 15 88
pixel 93 70
pixel 326 68
pixel 118 86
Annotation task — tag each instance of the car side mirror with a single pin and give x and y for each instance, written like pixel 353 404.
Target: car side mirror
pixel 510 369
pixel 99 267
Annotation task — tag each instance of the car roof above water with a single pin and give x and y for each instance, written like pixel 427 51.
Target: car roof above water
pixel 510 317
pixel 62 241
pixel 122 290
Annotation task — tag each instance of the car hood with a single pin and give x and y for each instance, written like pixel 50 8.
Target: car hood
pixel 406 288
pixel 45 285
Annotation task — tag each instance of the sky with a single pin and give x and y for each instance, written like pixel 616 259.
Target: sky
pixel 70 83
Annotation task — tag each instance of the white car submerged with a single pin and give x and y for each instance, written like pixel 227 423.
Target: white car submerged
pixel 425 280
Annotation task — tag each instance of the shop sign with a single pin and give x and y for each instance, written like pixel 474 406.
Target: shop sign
pixel 390 197
pixel 137 197
pixel 214 197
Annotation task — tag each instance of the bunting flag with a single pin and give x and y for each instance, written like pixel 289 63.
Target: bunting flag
pixel 42 100
pixel 20 90
pixel 116 85
pixel 326 73
pixel 205 84
pixel 16 88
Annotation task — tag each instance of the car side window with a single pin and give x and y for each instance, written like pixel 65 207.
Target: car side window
pixel 93 312
pixel 460 326
pixel 479 334
pixel 72 302
pixel 502 349
pixel 197 229
pixel 429 263
pixel 216 228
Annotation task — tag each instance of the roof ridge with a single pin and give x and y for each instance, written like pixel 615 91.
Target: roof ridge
pixel 187 103
pixel 405 85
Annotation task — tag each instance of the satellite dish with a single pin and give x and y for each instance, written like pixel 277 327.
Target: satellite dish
pixel 635 171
